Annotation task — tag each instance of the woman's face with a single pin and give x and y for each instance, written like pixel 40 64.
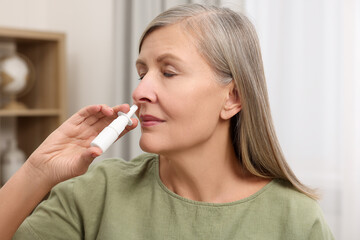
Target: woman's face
pixel 178 95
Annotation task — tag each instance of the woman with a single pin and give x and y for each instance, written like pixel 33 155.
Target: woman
pixel 216 172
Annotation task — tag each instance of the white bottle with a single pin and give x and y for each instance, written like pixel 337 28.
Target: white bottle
pixel 109 134
pixel 12 160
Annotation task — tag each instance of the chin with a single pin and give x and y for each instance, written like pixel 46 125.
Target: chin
pixel 154 145
pixel 149 146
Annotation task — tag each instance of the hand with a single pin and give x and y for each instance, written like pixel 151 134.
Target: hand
pixel 67 153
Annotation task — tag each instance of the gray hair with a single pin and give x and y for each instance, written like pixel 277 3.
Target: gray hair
pixel 228 41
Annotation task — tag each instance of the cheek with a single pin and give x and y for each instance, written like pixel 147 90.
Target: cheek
pixel 197 113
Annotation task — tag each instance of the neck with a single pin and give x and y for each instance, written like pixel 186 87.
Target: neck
pixel 207 173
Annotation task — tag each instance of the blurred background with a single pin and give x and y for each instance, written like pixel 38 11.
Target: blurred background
pixel 311 53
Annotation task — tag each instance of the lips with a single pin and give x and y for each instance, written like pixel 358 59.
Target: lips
pixel 149 120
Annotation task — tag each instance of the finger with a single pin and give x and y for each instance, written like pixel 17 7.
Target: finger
pixel 102 120
pixel 88 113
pixel 129 128
pixel 83 113
pixel 125 108
pixel 99 124
pixel 134 124
pixel 90 154
pixel 105 111
pixel 95 151
pixel 91 114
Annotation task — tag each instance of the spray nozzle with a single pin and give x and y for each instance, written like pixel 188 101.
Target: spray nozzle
pixel 129 114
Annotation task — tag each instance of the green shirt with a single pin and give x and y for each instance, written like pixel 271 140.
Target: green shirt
pixel 116 199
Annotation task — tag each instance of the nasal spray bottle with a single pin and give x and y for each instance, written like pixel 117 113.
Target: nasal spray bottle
pixel 109 135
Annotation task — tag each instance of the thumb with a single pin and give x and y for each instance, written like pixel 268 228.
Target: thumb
pixel 90 154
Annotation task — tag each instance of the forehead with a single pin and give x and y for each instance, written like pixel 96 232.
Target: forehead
pixel 168 39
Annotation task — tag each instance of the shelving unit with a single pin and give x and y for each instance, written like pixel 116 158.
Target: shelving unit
pixel 46 99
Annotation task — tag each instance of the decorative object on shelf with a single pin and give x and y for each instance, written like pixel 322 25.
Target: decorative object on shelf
pixel 12 160
pixel 16 79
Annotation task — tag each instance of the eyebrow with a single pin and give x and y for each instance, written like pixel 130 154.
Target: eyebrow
pixel 160 58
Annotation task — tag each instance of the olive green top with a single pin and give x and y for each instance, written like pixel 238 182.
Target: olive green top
pixel 116 199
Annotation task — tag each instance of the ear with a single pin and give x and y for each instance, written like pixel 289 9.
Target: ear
pixel 232 103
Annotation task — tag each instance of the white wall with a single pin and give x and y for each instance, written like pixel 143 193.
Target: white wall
pixel 89 27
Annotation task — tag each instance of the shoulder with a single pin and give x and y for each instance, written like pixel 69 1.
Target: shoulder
pixel 110 171
pixel 297 210
pixel 110 179
pixel 110 174
pixel 286 195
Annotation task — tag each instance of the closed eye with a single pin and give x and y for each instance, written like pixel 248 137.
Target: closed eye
pixel 141 76
pixel 168 75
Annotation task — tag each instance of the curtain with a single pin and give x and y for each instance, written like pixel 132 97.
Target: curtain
pixel 312 57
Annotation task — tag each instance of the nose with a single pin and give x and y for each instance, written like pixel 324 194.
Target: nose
pixel 145 92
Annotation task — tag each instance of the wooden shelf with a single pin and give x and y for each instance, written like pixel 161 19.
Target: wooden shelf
pixel 29 113
pixel 46 100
